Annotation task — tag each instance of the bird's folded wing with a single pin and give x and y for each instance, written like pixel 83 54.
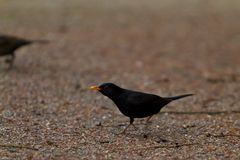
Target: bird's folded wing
pixel 141 99
pixel 3 42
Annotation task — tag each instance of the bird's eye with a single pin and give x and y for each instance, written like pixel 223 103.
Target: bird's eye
pixel 106 87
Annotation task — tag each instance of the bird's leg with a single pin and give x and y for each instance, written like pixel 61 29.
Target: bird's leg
pixel 131 123
pixel 11 61
pixel 148 119
pixel 7 60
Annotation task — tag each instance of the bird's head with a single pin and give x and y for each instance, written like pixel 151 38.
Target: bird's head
pixel 108 89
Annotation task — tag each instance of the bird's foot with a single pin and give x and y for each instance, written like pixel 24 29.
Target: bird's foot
pixel 124 131
pixel 134 126
pixel 10 67
pixel 148 120
pixel 10 63
pixel 7 60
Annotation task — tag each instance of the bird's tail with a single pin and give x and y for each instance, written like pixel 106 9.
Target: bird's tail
pixel 40 41
pixel 178 97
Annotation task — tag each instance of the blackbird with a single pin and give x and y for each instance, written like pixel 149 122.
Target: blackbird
pixel 8 45
pixel 134 104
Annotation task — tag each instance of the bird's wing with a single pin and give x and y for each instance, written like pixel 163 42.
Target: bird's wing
pixel 3 41
pixel 138 99
pixel 5 44
pixel 6 41
pixel 140 105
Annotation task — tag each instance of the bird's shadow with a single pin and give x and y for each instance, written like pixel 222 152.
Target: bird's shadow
pixel 143 131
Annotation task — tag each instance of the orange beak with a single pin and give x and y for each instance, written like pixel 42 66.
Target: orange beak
pixel 95 88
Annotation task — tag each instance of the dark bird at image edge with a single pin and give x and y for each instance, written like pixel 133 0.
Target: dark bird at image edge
pixel 134 104
pixel 9 44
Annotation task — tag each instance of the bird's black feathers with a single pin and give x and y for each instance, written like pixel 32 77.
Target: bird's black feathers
pixel 138 105
pixel 178 97
pixel 9 44
pixel 134 104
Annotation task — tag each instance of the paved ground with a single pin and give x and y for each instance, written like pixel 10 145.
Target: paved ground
pixel 162 47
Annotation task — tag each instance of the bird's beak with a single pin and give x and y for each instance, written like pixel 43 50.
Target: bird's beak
pixel 95 88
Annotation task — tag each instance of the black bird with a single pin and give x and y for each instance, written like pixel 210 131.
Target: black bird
pixel 134 104
pixel 8 45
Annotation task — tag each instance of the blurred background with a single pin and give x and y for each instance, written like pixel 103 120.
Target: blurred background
pixel 136 43
pixel 166 47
